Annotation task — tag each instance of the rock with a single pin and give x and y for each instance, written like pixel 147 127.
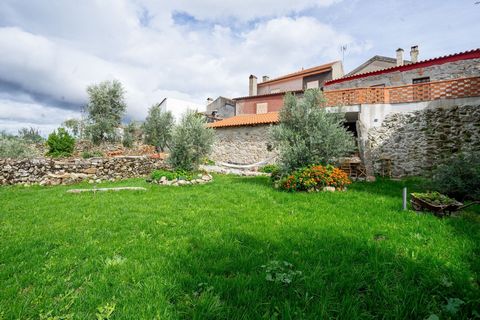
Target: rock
pixel 90 170
pixel 329 189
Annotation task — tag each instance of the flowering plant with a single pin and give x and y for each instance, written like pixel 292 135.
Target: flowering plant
pixel 315 178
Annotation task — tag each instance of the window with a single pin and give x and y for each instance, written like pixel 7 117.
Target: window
pixel 421 80
pixel 313 84
pixel 262 107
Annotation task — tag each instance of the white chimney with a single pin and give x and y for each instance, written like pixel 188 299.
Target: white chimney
pixel 399 57
pixel 265 78
pixel 252 85
pixel 414 54
pixel 209 100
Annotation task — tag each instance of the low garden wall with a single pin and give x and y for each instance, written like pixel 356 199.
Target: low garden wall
pixel 46 171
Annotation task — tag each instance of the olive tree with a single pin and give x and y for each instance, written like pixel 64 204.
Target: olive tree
pixel 191 142
pixel 158 127
pixel 308 134
pixel 105 109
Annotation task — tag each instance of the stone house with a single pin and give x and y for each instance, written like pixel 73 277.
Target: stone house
pixel 243 139
pixel 409 125
pixel 458 65
pixel 220 108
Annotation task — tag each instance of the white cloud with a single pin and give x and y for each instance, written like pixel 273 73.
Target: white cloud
pixel 57 52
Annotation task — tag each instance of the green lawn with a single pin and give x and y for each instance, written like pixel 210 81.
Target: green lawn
pixel 197 252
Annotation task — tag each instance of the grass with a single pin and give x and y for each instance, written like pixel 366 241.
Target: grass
pixel 197 252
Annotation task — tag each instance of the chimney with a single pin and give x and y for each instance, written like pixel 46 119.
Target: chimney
pixel 265 78
pixel 399 57
pixel 209 100
pixel 414 54
pixel 252 85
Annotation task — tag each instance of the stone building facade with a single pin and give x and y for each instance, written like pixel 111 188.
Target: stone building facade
pixel 242 144
pixel 461 65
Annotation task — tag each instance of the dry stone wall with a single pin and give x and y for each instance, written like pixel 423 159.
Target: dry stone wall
pixel 45 171
pixel 242 145
pixel 415 142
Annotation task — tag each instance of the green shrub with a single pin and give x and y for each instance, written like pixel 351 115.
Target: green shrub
pixel 30 135
pixel 158 127
pixel 91 154
pixel 158 174
pixel 191 142
pixel 172 175
pixel 269 168
pixel 14 147
pixel 314 178
pixel 60 143
pixel 460 177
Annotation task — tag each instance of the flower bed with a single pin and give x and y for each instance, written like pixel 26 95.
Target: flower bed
pixel 179 177
pixel 315 178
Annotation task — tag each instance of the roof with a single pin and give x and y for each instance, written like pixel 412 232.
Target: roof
pixel 268 95
pixel 471 54
pixel 372 59
pixel 302 73
pixel 246 120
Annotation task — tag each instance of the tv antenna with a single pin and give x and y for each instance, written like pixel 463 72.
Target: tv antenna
pixel 343 49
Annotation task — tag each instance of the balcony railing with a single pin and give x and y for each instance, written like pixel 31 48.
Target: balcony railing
pixel 429 91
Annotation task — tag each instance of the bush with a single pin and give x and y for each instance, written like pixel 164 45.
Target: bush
pixel 30 135
pixel 158 127
pixel 172 175
pixel 460 178
pixel 14 147
pixel 129 135
pixel 308 134
pixel 314 178
pixel 191 142
pixel 269 168
pixel 60 143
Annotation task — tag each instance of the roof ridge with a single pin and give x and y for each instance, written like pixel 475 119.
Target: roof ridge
pixel 291 74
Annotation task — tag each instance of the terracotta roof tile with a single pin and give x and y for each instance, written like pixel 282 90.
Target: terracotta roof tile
pixel 246 120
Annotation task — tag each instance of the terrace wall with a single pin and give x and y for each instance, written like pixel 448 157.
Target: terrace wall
pixel 45 171
pixel 417 141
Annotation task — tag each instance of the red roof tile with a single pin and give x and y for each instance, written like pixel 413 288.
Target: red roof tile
pixel 246 120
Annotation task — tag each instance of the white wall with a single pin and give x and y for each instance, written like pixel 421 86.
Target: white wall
pixel 178 107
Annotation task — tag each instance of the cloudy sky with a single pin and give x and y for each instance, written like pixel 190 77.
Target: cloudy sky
pixel 50 50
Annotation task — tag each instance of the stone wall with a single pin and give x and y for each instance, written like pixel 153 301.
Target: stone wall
pixel 45 171
pixel 450 70
pixel 242 145
pixel 417 141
